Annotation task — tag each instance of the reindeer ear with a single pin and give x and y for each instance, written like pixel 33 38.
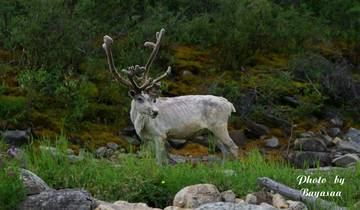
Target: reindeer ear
pixel 132 93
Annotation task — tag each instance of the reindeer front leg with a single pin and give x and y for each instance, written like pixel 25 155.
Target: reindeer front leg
pixel 160 149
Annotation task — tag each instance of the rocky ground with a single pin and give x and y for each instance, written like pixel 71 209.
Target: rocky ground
pixel 194 197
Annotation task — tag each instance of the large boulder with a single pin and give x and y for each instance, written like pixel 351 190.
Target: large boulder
pixel 16 137
pixel 310 144
pixel 32 182
pixel 195 195
pixel 235 206
pixel 311 159
pixel 68 199
pixel 346 160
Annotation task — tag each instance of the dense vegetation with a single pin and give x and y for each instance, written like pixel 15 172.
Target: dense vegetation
pixel 255 53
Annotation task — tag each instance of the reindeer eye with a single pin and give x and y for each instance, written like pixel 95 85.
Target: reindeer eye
pixel 140 100
pixel 154 100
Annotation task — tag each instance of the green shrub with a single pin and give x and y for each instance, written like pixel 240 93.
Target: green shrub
pixel 12 190
pixel 13 110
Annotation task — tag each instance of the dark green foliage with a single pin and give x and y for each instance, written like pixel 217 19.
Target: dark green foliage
pixel 58 46
pixel 12 191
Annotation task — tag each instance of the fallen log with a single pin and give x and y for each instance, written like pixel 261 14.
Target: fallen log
pixel 313 202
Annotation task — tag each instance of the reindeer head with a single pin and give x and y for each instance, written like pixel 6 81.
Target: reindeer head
pixel 144 95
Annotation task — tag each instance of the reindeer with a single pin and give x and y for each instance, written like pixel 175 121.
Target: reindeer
pixel 158 118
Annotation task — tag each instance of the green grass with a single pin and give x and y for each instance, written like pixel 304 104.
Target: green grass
pixel 141 180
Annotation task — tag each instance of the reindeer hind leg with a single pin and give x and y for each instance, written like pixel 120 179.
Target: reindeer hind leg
pixel 221 132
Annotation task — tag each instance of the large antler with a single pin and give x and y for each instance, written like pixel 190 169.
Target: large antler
pixel 137 72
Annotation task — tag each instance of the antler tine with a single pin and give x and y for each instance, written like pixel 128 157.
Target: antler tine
pixel 155 46
pixel 155 81
pixel 107 47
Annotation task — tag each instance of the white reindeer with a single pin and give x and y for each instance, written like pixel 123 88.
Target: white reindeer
pixel 158 118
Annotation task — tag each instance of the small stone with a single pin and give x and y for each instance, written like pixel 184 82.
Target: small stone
pixel 334 132
pixel 177 143
pixel 278 201
pixel 251 199
pixel 296 205
pixel 346 160
pixel 273 142
pixel 337 122
pixel 100 152
pixel 75 158
pixel 187 73
pixel 307 134
pixel 228 196
pixel 353 134
pixel 112 145
pixel 132 140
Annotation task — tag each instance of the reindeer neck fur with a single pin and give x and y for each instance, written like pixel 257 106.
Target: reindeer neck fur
pixel 139 120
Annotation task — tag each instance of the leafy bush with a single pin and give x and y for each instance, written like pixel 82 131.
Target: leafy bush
pixel 12 191
pixel 13 111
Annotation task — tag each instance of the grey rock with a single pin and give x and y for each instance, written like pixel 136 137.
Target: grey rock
pixel 177 143
pixel 307 158
pixel 32 182
pixel 347 146
pixel 353 134
pixel 187 73
pixel 337 122
pixel 310 144
pixel 16 137
pixel 307 134
pixel 346 160
pixel 228 196
pixel 251 198
pixel 196 195
pixel 296 205
pixel 234 206
pixel 255 130
pixel 112 145
pixel 68 199
pixel 273 142
pixel 100 152
pixel 334 131
pixel 202 140
pixel 238 137
pixel 132 140
pixel 75 158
